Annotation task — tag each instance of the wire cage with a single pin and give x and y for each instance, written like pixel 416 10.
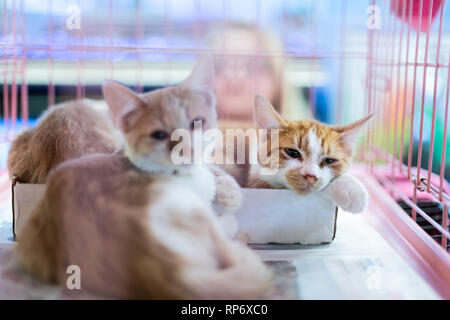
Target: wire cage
pixel 407 87
pixel 333 60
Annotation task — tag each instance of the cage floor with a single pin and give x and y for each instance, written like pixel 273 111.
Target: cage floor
pixel 359 264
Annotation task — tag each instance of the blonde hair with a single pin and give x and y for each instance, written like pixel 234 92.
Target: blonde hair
pixel 287 100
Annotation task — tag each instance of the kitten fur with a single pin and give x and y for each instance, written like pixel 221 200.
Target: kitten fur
pixel 65 131
pixel 135 235
pixel 314 142
pixel 73 129
pixel 137 225
pixel 167 110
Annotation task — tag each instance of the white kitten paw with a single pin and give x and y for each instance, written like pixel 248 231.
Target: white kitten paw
pixel 348 193
pixel 354 201
pixel 228 193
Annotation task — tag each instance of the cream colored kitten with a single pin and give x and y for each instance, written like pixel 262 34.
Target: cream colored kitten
pixel 173 113
pixel 65 131
pixel 73 129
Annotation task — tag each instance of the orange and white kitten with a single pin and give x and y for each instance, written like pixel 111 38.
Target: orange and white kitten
pixel 312 156
pixel 137 225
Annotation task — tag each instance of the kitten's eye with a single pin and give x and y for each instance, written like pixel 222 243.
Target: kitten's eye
pixel 293 153
pixel 329 161
pixel 200 119
pixel 159 135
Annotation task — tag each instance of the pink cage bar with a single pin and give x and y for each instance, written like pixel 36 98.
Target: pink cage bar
pixel 397 56
pixel 404 57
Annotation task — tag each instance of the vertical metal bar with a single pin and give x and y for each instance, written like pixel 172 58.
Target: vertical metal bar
pixel 197 15
pixel 82 56
pixel 311 90
pixel 394 145
pixel 51 86
pixel 411 138
pixel 411 130
pixel 168 36
pixel 381 83
pixel 256 25
pixel 373 88
pixel 224 18
pixel 422 110
pixel 225 8
pixel 6 55
pixel 79 60
pixel 139 36
pixel 389 69
pixel 384 65
pixel 342 32
pixel 368 80
pixel 405 89
pixel 444 137
pixel 433 124
pixel 111 40
pixel 23 85
pixel 14 69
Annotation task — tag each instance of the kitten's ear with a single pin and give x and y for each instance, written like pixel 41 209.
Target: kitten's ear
pixel 350 132
pixel 265 115
pixel 122 102
pixel 202 76
pixel 201 80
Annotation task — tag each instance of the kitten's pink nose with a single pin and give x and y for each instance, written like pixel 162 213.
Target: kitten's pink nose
pixel 310 179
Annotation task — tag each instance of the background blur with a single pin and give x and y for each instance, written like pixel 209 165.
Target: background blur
pixel 308 57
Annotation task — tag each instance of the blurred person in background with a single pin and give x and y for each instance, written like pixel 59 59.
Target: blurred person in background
pixel 251 61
